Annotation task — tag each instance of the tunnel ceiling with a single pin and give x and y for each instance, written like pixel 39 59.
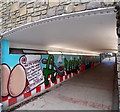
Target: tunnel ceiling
pixel 87 32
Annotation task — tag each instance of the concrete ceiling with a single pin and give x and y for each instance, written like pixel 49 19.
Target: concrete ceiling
pixel 87 32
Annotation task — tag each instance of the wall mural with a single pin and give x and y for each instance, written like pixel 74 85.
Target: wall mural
pixel 22 74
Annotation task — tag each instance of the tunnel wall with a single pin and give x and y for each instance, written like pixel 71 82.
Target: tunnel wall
pixel 24 76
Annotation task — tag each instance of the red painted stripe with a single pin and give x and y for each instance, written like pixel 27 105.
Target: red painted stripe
pixel 12 101
pixel 38 89
pixel 66 77
pixel 27 94
pixel 49 85
pixel 4 99
pixel 55 82
pixel 61 79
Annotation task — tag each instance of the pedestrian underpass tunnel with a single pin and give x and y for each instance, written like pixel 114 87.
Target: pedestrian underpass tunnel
pixel 68 48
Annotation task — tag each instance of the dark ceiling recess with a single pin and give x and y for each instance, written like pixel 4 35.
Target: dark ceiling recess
pixel 28 51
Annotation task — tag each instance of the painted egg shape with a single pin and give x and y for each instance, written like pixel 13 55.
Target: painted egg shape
pixel 17 81
pixel 5 76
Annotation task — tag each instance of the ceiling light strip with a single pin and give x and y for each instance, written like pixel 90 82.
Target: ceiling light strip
pixel 66 53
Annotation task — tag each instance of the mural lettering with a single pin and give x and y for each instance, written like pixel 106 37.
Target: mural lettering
pixel 71 65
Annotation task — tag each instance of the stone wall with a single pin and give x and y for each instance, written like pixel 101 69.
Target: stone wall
pixel 118 55
pixel 15 14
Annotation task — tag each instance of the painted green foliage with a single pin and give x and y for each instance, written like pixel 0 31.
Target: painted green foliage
pixel 49 70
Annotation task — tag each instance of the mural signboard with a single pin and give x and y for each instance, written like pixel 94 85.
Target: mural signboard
pixel 31 64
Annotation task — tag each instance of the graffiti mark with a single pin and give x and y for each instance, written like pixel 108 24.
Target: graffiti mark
pixel 49 70
pixel 60 70
pixel 71 66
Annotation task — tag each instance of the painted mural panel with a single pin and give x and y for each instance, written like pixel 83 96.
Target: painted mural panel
pixel 25 75
pixel 32 67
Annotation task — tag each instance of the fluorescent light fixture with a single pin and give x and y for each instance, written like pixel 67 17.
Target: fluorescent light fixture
pixel 80 54
pixel 68 53
pixel 34 51
pixel 90 54
pixel 50 52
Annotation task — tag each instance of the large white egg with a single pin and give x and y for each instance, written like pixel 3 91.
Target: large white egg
pixel 17 81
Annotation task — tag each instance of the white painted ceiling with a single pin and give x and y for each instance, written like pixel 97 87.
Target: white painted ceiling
pixel 87 32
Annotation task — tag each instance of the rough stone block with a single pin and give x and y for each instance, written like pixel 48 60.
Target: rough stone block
pixel 43 2
pixel 15 7
pixel 23 11
pixel 22 4
pixel 29 19
pixel 13 20
pixel 43 7
pixel 37 4
pixel 119 41
pixel 36 9
pixel 119 48
pixel 53 3
pixel 80 7
pixel 84 1
pixel 9 25
pixel 30 5
pixel 17 15
pixel 0 26
pixel 69 8
pixel 118 67
pixel 35 18
pixel 77 2
pixel 119 75
pixel 59 12
pixel 18 19
pixel 31 10
pixel 23 18
pixel 118 59
pixel 65 2
pixel 44 12
pixel 107 3
pixel 51 12
pixel 119 82
pixel 61 7
pixel 13 17
pixel 93 5
pixel 36 13
pixel 43 16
